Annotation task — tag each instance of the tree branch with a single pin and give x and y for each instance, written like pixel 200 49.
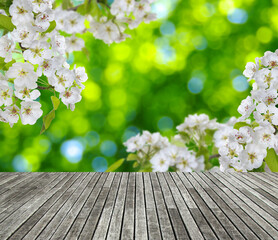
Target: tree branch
pixel 45 88
pixel 214 156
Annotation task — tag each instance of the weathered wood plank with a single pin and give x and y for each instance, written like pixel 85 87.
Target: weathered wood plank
pixel 251 209
pixel 192 228
pixel 207 207
pixel 103 224
pixel 138 206
pixel 213 192
pixel 17 218
pixel 175 216
pixel 255 196
pixel 44 212
pixel 92 221
pixel 193 208
pixel 266 177
pixel 115 226
pixel 82 217
pixel 163 217
pixel 242 210
pixel 151 212
pixel 129 213
pixel 259 209
pixel 64 227
pixel 140 209
pixel 58 218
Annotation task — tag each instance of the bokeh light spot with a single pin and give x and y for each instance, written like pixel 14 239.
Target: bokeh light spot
pixel 264 34
pixel 130 132
pixel 92 92
pixel 99 164
pixel 240 83
pixel 165 123
pixel 195 85
pixel 72 150
pixel 92 138
pixel 167 28
pixel 237 16
pixel 200 42
pixel 108 148
pixel 20 164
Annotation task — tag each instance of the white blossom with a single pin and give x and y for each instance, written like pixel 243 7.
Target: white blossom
pixel 30 112
pixel 23 75
pixel 7 46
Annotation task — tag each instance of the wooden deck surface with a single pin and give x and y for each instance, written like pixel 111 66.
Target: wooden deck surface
pixel 138 206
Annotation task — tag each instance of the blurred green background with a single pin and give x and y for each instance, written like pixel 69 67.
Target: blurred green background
pixel 190 60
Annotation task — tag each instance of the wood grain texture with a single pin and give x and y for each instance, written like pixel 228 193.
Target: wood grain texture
pixel 138 206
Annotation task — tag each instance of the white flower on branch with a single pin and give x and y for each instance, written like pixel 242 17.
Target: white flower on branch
pixel 7 46
pixel 30 112
pixel 23 75
pixel 38 51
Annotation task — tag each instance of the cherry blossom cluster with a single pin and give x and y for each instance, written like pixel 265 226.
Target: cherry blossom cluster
pixel 195 128
pixel 43 64
pixel 245 148
pixel 71 23
pixel 162 155
pixel 125 14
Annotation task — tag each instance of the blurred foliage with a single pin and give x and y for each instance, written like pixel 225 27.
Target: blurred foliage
pixel 190 60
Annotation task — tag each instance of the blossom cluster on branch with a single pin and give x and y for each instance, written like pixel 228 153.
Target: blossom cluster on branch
pixel 36 42
pixel 248 143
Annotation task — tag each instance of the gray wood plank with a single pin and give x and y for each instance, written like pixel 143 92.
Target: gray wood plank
pixel 261 184
pixel 92 221
pixel 25 194
pixel 56 221
pixel 259 209
pixel 10 186
pixel 163 217
pixel 115 225
pixel 255 196
pixel 190 224
pixel 104 221
pixel 22 194
pixel 176 218
pixel 74 210
pixel 194 210
pixel 138 206
pixel 17 218
pixel 207 207
pixel 7 177
pixel 242 210
pixel 266 177
pixel 43 215
pixel 212 191
pixel 82 217
pixel 251 209
pixel 151 212
pixel 140 209
pixel 128 231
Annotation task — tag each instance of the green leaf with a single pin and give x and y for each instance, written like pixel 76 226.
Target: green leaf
pixel 55 102
pixel 66 4
pixel 47 119
pixel 6 66
pixel 5 4
pixel 272 160
pixel 132 157
pixel 51 27
pixel 260 169
pixel 238 125
pixel 135 165
pixel 6 23
pixel 115 165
